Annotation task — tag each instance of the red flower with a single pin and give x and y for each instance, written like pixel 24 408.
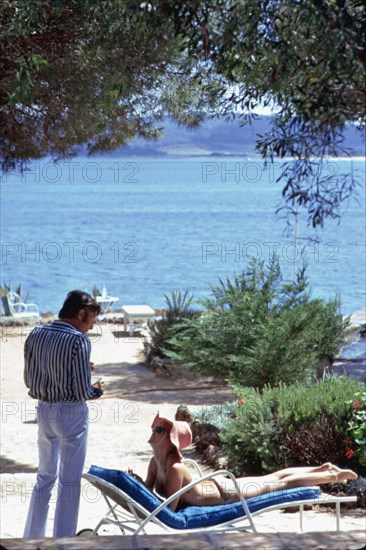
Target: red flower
pixel 356 405
pixel 241 401
pixel 349 453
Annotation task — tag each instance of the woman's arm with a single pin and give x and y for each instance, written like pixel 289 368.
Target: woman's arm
pixel 136 476
pixel 151 474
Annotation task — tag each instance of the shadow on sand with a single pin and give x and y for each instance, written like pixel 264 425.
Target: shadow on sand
pixel 8 466
pixel 138 382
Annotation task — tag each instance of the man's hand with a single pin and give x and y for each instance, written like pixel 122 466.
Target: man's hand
pixel 99 384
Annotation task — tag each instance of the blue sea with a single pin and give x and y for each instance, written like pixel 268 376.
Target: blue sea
pixel 141 227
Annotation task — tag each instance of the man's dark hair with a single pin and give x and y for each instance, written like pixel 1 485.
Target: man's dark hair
pixel 75 301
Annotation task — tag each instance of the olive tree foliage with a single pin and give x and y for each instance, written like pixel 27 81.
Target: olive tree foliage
pixel 100 73
pixel 87 72
pixel 304 56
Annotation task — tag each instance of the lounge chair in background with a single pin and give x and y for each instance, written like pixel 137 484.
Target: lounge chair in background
pixel 13 307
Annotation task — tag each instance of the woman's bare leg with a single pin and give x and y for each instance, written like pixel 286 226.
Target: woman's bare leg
pixel 255 486
pixel 282 474
pixel 317 478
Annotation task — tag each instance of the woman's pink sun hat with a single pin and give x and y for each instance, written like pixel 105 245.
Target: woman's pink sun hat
pixel 180 432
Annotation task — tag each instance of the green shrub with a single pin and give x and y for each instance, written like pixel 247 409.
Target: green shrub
pixel 274 428
pixel 217 415
pixel 356 430
pixel 161 331
pixel 258 330
pixel 303 445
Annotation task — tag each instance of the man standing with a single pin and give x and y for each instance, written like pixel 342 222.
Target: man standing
pixel 58 373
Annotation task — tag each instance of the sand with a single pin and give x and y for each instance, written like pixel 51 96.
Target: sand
pixel 119 426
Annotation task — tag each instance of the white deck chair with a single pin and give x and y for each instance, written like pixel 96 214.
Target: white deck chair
pixel 13 307
pixel 135 509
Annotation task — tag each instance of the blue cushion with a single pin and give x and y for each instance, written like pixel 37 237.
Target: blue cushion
pixel 193 517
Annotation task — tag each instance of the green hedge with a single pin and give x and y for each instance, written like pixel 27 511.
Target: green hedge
pixel 289 425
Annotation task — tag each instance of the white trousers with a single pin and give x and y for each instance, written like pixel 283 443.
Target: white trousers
pixel 62 442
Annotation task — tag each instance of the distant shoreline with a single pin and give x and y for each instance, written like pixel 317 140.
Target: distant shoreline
pixel 357 318
pixel 199 154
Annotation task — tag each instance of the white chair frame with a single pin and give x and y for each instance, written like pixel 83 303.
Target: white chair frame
pixel 131 516
pixel 14 307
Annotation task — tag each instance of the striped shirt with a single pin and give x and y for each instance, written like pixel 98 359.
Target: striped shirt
pixel 57 364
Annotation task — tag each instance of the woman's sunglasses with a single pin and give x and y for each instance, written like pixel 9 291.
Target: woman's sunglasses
pixel 159 429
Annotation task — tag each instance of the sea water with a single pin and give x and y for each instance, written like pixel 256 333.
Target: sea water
pixel 140 227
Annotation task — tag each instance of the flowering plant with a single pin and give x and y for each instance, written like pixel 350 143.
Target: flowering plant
pixel 355 441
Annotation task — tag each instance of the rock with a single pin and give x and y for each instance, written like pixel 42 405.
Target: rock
pixel 163 366
pixel 204 435
pixel 211 454
pixel 183 414
pixel 324 366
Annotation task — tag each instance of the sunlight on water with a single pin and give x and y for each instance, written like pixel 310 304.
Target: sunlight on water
pixel 144 226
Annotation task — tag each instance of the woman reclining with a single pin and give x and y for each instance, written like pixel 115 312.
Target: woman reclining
pixel 167 474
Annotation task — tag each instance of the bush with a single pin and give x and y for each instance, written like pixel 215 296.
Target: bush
pixel 258 330
pixel 356 487
pixel 302 446
pixel 161 331
pixel 292 425
pixel 356 431
pixel 216 415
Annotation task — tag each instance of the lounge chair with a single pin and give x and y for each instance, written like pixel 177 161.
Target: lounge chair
pixel 133 508
pixel 13 307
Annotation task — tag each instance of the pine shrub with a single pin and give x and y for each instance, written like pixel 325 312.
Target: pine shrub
pixel 258 330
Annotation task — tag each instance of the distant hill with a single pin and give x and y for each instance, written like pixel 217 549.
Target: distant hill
pixel 217 138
